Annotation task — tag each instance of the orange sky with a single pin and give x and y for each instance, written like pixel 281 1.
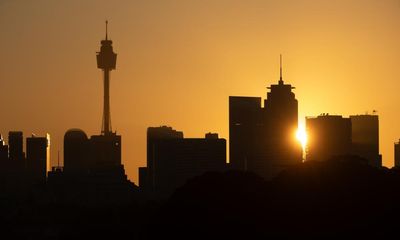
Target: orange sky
pixel 178 61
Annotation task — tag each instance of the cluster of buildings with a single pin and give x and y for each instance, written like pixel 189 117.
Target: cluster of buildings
pixel 261 140
pixel 173 159
pixel 334 135
pixel 20 169
pixel 92 172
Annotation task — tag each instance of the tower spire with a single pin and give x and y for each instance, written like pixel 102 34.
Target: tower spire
pixel 280 69
pixel 106 29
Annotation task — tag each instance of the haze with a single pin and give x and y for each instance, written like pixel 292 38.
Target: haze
pixel 178 61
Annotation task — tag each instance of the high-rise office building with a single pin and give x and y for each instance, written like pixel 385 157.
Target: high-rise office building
pixel 98 155
pixel 16 154
pixel 3 152
pixel 155 134
pixel 365 138
pixel 38 157
pixel 281 123
pixel 76 152
pixel 15 145
pixel 263 140
pixel 172 159
pixel 143 179
pixel 105 150
pixel 245 128
pixel 328 136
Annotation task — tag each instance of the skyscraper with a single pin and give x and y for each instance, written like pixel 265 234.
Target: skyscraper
pixel 281 123
pixel 263 140
pixel 328 136
pixel 245 126
pixel 365 138
pixel 16 153
pixel 147 174
pixel 156 134
pixel 76 152
pixel 38 157
pixel 16 143
pixel 105 150
pixel 3 153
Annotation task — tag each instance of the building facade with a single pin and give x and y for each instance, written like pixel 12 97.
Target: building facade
pixel 365 138
pixel 328 136
pixel 38 157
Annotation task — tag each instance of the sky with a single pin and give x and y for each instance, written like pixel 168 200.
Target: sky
pixel 179 61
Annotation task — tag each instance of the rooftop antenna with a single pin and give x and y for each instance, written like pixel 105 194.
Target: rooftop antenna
pixel 106 29
pixel 58 159
pixel 280 60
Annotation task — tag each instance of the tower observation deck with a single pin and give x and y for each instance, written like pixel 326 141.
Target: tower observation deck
pixel 106 60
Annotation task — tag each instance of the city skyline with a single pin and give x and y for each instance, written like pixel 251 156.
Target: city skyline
pixel 70 83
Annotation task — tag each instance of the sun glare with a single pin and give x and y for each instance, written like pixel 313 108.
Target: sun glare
pixel 301 135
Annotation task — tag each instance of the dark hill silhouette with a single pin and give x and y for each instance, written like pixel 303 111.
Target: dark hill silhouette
pixel 340 197
pixel 343 197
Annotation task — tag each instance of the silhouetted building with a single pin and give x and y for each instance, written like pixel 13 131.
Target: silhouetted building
pixel 16 144
pixel 76 152
pixel 263 140
pixel 173 159
pixel 154 134
pixel 3 152
pixel 87 156
pixel 365 138
pixel 143 179
pixel 38 157
pixel 328 136
pixel 397 154
pixel 4 161
pixel 106 150
pixel 83 155
pixel 16 154
pixel 244 130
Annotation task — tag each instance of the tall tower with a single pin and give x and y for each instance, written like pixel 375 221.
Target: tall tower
pixel 263 140
pixel 106 60
pixel 280 118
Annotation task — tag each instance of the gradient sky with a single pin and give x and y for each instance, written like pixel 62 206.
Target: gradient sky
pixel 178 61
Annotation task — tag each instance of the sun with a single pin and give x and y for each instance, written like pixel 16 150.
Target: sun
pixel 301 135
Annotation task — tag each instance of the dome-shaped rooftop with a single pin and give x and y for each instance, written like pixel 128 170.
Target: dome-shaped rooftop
pixel 75 133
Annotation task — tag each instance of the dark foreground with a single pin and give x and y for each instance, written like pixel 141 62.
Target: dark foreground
pixel 338 198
